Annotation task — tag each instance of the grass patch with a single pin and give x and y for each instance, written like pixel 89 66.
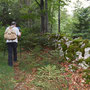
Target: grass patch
pixel 6 74
pixel 37 59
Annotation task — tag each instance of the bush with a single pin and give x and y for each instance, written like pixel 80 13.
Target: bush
pixel 49 78
pixel 86 75
pixel 30 40
pixel 2 40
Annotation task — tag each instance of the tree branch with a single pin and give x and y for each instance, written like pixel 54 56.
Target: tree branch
pixel 38 3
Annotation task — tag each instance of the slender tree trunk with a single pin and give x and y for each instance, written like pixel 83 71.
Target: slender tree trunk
pixel 41 5
pixel 42 16
pixel 27 2
pixel 59 18
pixel 52 23
pixel 21 3
pixel 46 16
pixel 52 15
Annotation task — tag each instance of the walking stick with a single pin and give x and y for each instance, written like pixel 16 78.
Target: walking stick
pixel 20 42
pixel 20 48
pixel 4 50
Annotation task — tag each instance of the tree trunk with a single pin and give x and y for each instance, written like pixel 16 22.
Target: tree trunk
pixel 42 16
pixel 27 2
pixel 29 11
pixel 46 16
pixel 41 5
pixel 59 18
pixel 21 3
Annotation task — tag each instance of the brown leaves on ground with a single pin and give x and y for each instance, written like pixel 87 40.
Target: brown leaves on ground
pixel 77 82
pixel 23 80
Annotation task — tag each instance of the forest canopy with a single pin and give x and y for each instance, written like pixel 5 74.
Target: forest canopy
pixel 46 16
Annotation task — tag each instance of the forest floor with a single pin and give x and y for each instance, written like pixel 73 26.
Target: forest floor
pixel 25 70
pixel 24 83
pixel 77 82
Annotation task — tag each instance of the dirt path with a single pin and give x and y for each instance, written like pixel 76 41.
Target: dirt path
pixel 22 79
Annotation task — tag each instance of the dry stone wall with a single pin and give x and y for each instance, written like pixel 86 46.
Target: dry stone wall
pixel 72 49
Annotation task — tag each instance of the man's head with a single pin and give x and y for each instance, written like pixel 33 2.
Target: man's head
pixel 13 23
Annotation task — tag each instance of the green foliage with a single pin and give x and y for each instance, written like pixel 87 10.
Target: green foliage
pixel 37 58
pixel 28 13
pixel 8 12
pixel 82 27
pixel 49 77
pixel 2 40
pixel 32 40
pixel 73 68
pixel 80 61
pixel 37 49
pixel 86 70
pixel 88 61
pixel 64 46
pixel 56 58
pixel 77 41
pixel 66 22
pixel 86 76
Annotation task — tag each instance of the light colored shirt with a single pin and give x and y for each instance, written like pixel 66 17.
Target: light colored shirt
pixel 16 30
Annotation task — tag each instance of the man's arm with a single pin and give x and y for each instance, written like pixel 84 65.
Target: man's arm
pixel 19 35
pixel 19 32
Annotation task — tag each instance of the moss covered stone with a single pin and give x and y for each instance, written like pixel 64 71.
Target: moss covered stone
pixel 69 49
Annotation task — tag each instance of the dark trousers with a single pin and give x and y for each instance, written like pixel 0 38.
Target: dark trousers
pixel 12 52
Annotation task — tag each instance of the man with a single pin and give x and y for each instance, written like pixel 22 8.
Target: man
pixel 12 45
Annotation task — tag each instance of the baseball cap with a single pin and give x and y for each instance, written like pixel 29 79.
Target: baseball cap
pixel 13 23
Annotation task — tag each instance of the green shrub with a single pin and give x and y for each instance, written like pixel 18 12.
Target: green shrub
pixel 79 61
pixel 87 78
pixel 50 78
pixel 32 40
pixel 88 61
pixel 73 68
pixel 2 40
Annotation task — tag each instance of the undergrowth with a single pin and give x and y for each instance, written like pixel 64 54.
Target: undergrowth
pixel 50 78
pixel 6 74
pixel 38 58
